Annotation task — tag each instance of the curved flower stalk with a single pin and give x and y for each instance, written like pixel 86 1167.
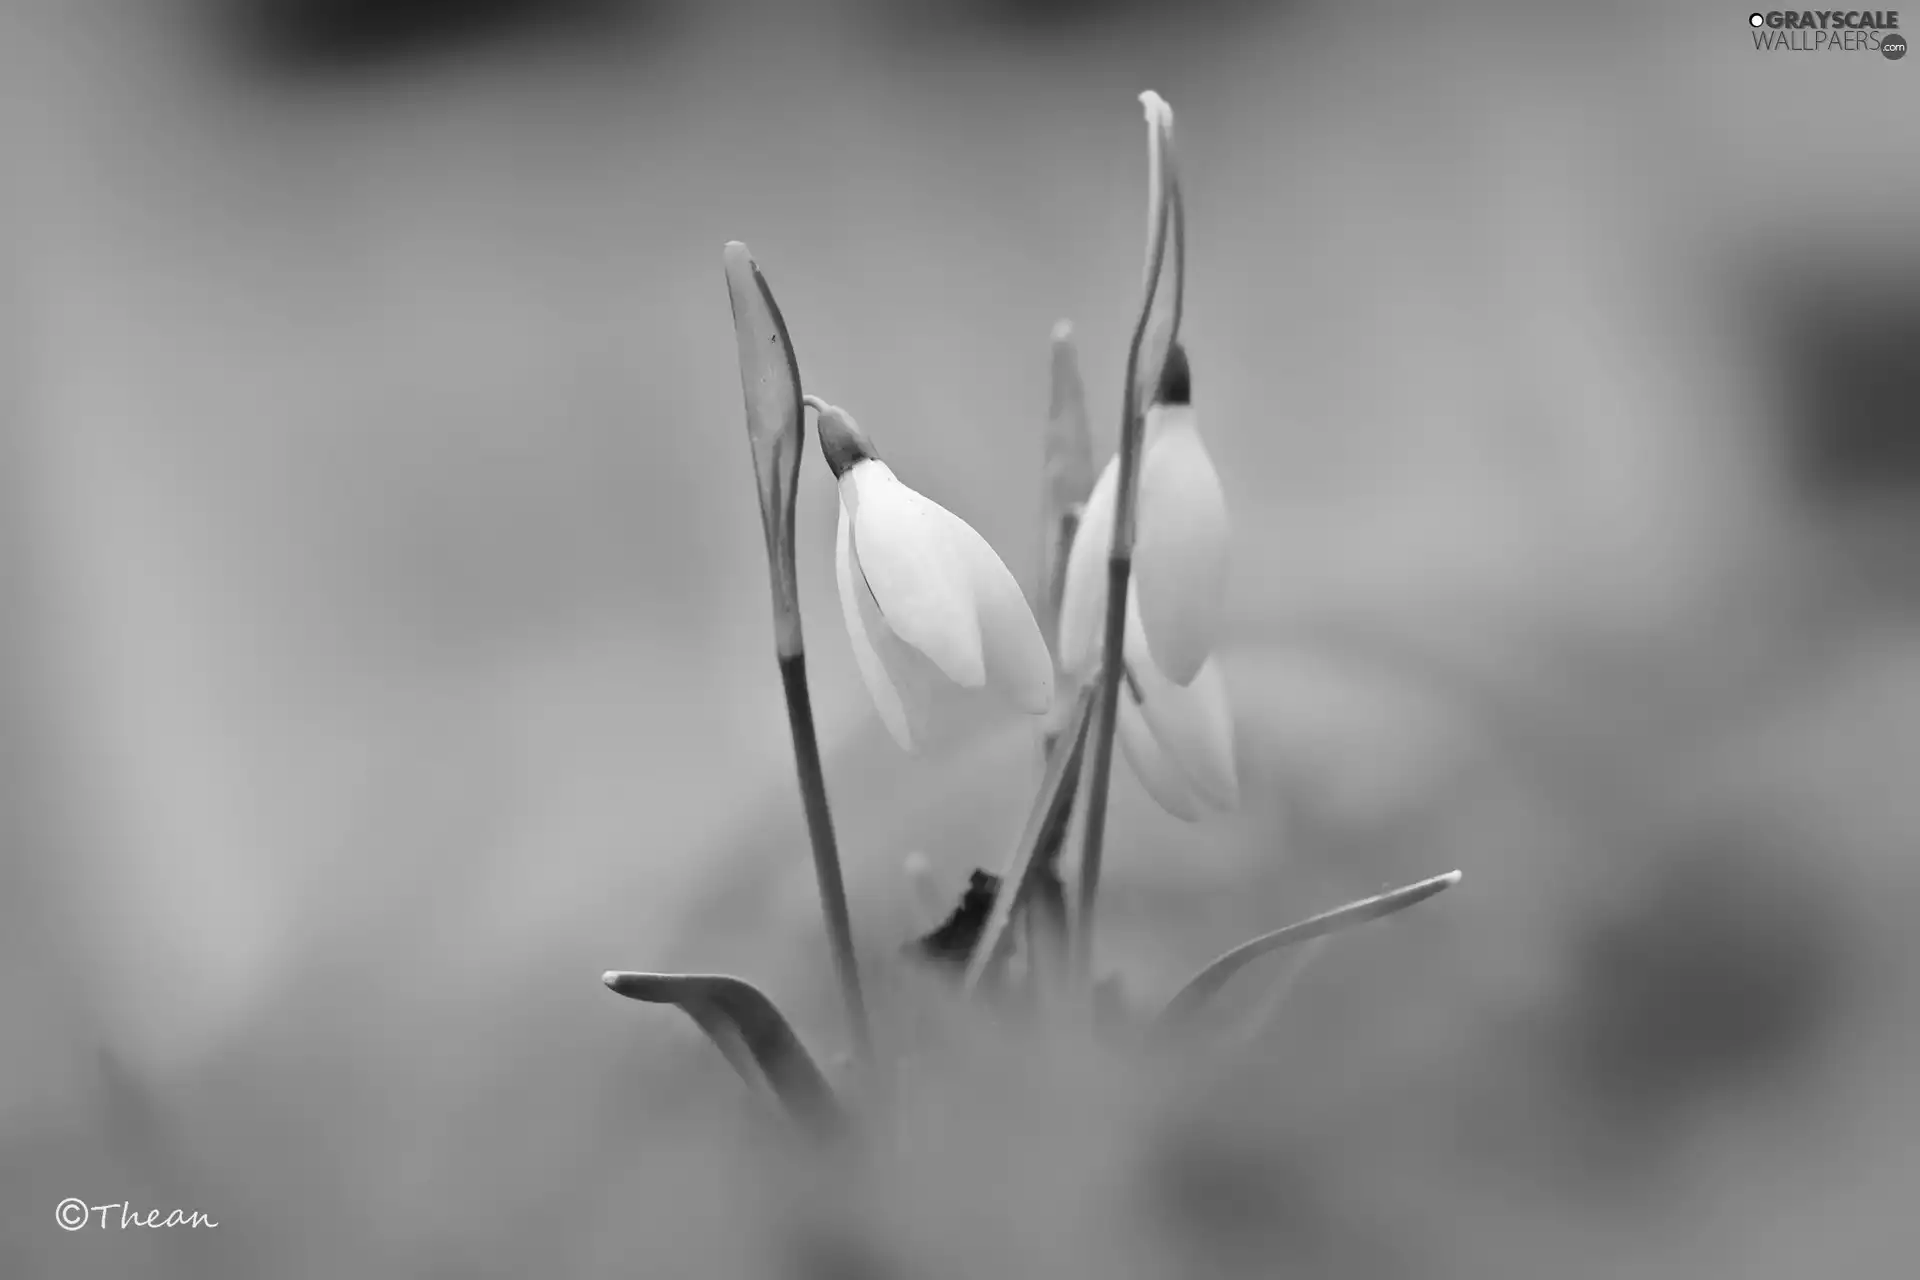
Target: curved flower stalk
pixel 1162 209
pixel 1180 543
pixel 930 608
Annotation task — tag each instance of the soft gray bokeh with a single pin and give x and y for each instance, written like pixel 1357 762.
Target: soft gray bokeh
pixel 387 650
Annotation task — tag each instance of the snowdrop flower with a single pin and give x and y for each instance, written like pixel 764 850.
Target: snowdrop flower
pixel 1180 545
pixel 929 607
pixel 1178 739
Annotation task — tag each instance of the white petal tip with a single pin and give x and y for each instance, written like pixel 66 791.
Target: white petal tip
pixel 1062 330
pixel 1035 695
pixel 1183 667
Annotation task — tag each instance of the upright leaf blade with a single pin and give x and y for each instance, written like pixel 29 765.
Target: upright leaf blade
pixel 776 430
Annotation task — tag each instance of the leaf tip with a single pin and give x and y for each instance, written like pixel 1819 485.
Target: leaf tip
pixel 634 986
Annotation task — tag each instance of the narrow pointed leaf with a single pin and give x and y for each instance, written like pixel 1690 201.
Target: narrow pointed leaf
pixel 1068 451
pixel 776 431
pixel 1204 985
pixel 749 1029
pixel 1249 1029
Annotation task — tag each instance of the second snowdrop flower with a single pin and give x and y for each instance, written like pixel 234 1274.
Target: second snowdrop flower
pixel 929 607
pixel 1180 546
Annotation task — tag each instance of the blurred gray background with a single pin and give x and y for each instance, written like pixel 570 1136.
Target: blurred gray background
pixel 385 647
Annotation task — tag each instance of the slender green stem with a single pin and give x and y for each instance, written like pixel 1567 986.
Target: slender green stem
pixel 1120 566
pixel 826 852
pixel 1179 201
pixel 1099 782
pixel 1046 827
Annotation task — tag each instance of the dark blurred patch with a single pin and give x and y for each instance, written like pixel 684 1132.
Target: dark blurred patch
pixel 318 37
pixel 1727 965
pixel 1236 1196
pixel 1846 352
pixel 1053 19
pixel 950 945
pixel 835 1251
pixel 1036 15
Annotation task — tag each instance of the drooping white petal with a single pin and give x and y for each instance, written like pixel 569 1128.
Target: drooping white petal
pixel 1192 725
pixel 1018 665
pixel 1180 551
pixel 908 550
pixel 1083 599
pixel 863 620
pixel 1162 778
pixel 924 711
pixel 1195 723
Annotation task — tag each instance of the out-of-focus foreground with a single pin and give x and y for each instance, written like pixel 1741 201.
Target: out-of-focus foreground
pixel 386 648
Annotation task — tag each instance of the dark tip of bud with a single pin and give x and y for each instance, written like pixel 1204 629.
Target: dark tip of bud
pixel 1176 378
pixel 842 442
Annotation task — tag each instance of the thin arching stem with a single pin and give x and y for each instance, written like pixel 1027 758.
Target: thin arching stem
pixel 1179 201
pixel 1120 550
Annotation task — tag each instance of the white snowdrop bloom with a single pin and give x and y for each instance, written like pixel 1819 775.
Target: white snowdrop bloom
pixel 1178 739
pixel 1180 542
pixel 930 609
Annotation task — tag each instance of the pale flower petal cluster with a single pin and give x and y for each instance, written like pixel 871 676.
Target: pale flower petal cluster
pixel 1175 725
pixel 929 607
